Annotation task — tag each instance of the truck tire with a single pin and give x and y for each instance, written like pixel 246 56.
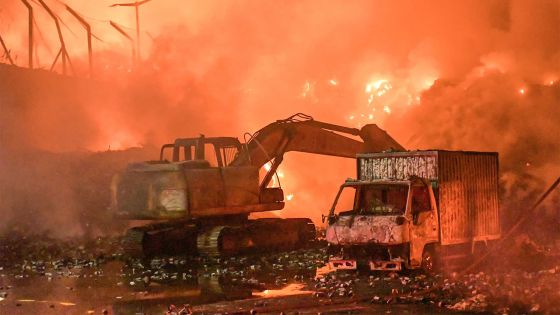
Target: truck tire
pixel 430 263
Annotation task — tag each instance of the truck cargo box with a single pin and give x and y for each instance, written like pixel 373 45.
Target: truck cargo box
pixel 465 185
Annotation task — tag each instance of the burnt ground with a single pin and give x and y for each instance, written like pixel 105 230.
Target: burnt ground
pixel 47 276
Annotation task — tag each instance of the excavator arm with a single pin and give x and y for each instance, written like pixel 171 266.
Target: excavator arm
pixel 302 133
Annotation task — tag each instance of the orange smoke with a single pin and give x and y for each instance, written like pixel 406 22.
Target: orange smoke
pixel 226 67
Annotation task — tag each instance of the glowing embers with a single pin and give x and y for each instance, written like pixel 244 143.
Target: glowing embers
pixel 275 182
pixel 290 289
pixel 387 109
pixel 377 88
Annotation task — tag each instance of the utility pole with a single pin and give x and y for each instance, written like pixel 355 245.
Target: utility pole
pixel 136 5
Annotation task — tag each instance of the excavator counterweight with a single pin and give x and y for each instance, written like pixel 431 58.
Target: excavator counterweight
pixel 205 187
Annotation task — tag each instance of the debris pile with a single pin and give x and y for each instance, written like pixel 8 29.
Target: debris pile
pixel 41 254
pixel 497 289
pixel 277 269
pixel 511 291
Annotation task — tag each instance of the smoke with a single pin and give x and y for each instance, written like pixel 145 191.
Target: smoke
pixel 435 75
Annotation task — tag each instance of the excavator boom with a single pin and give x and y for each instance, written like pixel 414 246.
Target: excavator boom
pixel 300 133
pixel 315 137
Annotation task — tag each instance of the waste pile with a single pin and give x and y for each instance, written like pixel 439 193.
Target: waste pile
pixel 511 291
pixel 502 288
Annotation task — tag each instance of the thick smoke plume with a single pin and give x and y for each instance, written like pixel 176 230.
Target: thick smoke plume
pixel 443 74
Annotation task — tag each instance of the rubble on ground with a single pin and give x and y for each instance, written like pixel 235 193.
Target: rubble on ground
pixel 498 289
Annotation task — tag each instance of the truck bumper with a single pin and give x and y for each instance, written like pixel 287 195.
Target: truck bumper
pixel 343 264
pixel 350 264
pixel 385 265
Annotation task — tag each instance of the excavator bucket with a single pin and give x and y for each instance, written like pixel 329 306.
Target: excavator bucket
pixel 378 140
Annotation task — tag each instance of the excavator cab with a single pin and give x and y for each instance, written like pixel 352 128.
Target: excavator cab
pixel 194 177
pixel 217 151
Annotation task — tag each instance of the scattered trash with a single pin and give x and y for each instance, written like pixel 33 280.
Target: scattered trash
pixel 495 290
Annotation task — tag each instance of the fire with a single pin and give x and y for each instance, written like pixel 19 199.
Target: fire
pixel 522 91
pixel 275 182
pixel 289 197
pixel 387 109
pixel 377 88
pixel 378 84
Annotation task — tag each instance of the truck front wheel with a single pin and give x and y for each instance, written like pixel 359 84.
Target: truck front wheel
pixel 429 260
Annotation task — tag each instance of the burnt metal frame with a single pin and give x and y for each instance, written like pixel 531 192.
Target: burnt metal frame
pixel 357 185
pixel 30 34
pixel 7 51
pixel 88 31
pixel 62 53
pixel 198 143
pixel 125 34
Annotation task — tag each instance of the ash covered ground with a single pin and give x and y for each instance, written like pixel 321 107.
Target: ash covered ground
pixel 39 274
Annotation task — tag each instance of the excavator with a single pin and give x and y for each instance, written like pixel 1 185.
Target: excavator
pixel 202 190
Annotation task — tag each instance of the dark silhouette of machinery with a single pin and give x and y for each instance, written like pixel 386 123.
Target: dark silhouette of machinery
pixel 206 187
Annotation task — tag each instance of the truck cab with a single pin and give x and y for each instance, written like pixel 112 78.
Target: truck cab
pixel 387 227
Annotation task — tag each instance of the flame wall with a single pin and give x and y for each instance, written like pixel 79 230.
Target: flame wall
pixel 445 74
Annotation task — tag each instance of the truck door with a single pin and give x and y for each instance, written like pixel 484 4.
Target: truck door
pixel 423 217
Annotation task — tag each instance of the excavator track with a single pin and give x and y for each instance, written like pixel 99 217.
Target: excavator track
pixel 255 236
pixel 252 236
pixel 132 242
pixel 166 238
pixel 208 242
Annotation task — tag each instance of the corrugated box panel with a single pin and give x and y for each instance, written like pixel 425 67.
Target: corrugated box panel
pixel 398 165
pixel 468 189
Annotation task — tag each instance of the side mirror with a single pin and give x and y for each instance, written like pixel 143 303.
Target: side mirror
pixel 328 218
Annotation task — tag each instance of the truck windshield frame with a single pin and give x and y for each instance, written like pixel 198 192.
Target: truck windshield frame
pixel 360 186
pixel 382 199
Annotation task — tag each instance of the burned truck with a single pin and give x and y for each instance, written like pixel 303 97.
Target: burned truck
pixel 415 209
